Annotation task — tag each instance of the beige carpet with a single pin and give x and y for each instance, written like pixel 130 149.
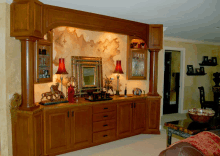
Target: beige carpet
pixel 140 145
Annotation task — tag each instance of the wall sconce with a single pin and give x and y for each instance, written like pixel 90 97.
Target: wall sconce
pixel 118 71
pixel 61 70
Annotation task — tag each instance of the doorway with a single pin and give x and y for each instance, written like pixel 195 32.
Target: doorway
pixel 171 93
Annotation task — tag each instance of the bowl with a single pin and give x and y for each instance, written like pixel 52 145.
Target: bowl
pixel 201 115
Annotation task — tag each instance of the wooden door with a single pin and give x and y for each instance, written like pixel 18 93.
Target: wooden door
pixel 81 127
pixel 124 119
pixel 139 113
pixel 57 130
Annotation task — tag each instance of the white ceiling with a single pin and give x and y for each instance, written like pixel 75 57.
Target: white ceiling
pixel 187 19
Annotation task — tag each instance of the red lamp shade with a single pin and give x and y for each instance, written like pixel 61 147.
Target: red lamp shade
pixel 61 68
pixel 118 68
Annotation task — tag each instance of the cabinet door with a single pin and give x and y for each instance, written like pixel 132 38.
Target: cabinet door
pixel 81 127
pixel 139 114
pixel 124 119
pixel 57 130
pixel 153 115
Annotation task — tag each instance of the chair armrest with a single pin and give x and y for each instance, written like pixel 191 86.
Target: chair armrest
pixel 183 149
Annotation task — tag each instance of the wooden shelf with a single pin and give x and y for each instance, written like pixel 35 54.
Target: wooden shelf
pixel 196 74
pixel 211 64
pixel 43 62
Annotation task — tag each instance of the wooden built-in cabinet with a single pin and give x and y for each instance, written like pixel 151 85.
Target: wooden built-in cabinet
pixel 136 59
pixel 67 129
pixel 130 118
pixel 43 62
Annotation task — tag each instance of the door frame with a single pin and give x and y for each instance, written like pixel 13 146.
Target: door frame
pixel 182 76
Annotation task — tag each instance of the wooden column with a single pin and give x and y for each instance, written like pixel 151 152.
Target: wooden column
pixel 153 73
pixel 27 73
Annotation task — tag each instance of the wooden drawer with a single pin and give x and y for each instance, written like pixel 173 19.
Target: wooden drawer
pixel 104 125
pixel 104 136
pixel 104 116
pixel 104 108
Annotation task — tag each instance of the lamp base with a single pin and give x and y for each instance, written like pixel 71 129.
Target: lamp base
pixel 117 92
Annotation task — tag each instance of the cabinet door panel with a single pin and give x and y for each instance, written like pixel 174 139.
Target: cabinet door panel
pixel 81 127
pixel 124 119
pixel 57 130
pixel 153 115
pixel 139 116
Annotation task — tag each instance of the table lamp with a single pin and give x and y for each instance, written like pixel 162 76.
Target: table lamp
pixel 61 70
pixel 118 70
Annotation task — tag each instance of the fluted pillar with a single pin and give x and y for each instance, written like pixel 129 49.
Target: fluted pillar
pixel 153 73
pixel 27 73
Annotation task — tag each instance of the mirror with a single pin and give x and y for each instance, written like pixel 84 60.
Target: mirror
pixel 88 76
pixel 88 73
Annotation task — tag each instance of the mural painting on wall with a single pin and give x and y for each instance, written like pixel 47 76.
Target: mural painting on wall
pixel 67 43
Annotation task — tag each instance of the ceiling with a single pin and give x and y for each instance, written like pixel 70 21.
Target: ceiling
pixel 186 19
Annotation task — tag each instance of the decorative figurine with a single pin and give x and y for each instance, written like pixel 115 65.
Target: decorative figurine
pixel 137 91
pixel 53 95
pixel 108 84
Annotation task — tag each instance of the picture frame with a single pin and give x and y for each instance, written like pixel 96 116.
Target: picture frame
pixel 214 60
pixel 202 70
pixel 205 59
pixel 190 69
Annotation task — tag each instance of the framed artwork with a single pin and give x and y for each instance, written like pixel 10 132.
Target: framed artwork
pixel 214 60
pixel 202 70
pixel 190 69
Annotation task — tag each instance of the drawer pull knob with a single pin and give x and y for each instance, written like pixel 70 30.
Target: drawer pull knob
pixel 105 135
pixel 105 116
pixel 105 125
pixel 106 108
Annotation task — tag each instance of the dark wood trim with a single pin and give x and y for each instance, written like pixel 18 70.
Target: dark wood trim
pixel 54 17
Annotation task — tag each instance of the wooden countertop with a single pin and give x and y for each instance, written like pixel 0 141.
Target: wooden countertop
pixel 83 102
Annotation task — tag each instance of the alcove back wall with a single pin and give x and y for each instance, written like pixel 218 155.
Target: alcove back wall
pixel 69 41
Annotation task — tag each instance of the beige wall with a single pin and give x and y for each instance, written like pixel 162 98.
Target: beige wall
pixel 10 65
pixel 194 53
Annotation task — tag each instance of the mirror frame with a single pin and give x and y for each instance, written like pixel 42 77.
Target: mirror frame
pixel 80 62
